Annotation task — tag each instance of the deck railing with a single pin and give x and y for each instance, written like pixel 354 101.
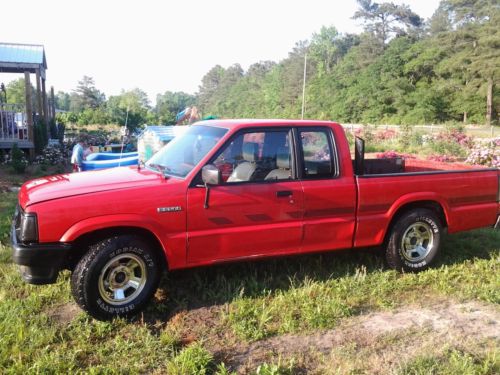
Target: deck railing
pixel 13 122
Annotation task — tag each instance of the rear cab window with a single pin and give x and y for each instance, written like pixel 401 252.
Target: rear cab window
pixel 318 157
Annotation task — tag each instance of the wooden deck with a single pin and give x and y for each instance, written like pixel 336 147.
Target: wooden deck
pixel 14 127
pixel 8 143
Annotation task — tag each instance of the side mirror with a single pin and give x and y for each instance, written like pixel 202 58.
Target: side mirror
pixel 211 176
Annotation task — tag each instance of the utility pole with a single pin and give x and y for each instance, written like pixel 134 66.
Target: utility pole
pixel 304 87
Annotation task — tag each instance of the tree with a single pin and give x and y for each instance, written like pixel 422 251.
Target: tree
pixel 209 85
pixel 329 46
pixel 62 100
pixel 86 95
pixel 16 92
pixel 387 20
pixel 171 103
pixel 135 102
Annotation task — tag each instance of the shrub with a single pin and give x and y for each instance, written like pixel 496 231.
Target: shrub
pixel 485 153
pixel 41 138
pixel 405 136
pixel 385 135
pixel 51 155
pixel 18 160
pixel 366 132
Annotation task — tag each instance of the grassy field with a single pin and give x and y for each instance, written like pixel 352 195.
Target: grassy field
pixel 331 313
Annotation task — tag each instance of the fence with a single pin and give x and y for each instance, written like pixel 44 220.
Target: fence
pixel 477 131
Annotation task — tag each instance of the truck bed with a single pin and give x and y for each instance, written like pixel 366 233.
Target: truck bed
pixel 404 165
pixel 467 195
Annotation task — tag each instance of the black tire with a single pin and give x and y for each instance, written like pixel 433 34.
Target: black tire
pixel 414 241
pixel 116 277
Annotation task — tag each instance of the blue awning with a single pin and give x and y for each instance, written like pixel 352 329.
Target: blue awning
pixel 22 54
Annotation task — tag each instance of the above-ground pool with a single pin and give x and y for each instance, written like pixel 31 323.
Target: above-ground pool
pixel 101 160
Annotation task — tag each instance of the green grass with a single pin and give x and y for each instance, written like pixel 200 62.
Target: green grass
pixel 257 300
pixel 315 300
pixel 453 362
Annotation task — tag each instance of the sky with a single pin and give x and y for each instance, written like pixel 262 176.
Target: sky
pixel 161 45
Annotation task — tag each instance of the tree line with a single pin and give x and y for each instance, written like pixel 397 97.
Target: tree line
pixel 400 69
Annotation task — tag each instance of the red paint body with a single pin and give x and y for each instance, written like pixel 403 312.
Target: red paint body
pixel 248 220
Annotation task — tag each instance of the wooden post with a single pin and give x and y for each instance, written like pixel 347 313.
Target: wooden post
pixel 52 103
pixel 45 108
pixel 38 94
pixel 29 113
pixel 489 101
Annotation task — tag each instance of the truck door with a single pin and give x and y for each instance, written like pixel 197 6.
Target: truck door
pixel 329 198
pixel 257 210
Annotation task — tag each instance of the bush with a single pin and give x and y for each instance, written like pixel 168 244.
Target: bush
pixel 41 138
pixel 18 160
pixel 51 155
pixel 53 129
pixel 451 142
pixel 486 153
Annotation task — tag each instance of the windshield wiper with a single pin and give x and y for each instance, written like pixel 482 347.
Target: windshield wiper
pixel 161 168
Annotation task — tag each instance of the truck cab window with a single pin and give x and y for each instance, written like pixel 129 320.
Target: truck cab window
pixel 317 151
pixel 256 156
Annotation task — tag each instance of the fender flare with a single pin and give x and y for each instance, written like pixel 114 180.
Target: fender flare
pixel 413 198
pixel 113 221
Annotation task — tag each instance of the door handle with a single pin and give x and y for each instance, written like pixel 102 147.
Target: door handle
pixel 284 193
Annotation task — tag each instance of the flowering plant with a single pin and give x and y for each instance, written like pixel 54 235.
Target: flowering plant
pixel 485 153
pixel 51 155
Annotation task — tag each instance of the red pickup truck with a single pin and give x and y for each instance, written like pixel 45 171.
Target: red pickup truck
pixel 229 190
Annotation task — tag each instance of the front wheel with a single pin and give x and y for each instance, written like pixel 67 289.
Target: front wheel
pixel 414 241
pixel 117 277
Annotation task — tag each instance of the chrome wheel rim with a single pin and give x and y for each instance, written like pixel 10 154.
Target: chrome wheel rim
pixel 122 279
pixel 417 242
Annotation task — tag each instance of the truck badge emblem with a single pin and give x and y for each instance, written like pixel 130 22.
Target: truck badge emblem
pixel 169 209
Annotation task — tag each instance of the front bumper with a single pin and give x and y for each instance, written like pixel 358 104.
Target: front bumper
pixel 39 263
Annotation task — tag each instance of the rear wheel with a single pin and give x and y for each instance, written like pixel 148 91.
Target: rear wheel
pixel 414 241
pixel 117 277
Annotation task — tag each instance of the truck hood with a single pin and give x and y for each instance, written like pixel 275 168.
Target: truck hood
pixel 67 185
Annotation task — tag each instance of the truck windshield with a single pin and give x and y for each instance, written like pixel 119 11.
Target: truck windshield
pixel 184 152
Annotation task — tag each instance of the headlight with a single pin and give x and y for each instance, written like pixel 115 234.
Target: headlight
pixel 28 231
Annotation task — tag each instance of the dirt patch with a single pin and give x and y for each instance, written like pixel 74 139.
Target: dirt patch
pixel 386 338
pixel 64 314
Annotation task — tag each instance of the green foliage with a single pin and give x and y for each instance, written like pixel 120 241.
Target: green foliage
pixel 194 359
pixel 453 362
pixel 18 159
pixel 86 96
pixel 40 133
pixel 16 92
pixel 62 100
pixel 171 103
pixel 393 73
pixel 386 19
pixel 53 129
pixel 275 368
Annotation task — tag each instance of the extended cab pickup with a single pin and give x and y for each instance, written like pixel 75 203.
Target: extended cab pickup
pixel 233 190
